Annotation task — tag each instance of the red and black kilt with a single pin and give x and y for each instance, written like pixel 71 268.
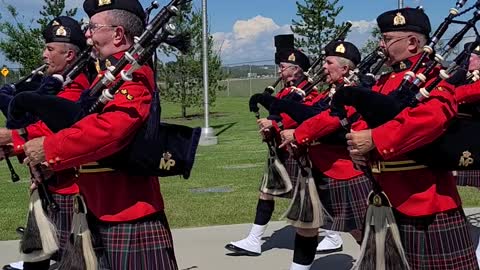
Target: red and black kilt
pixel 468 178
pixel 440 242
pixel 62 219
pixel 345 201
pixel 140 245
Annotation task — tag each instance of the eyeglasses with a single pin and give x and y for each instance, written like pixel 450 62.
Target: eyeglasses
pixel 93 27
pixel 387 40
pixel 284 67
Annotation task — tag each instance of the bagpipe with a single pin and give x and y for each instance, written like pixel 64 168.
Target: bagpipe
pixel 314 76
pixel 28 83
pixel 276 180
pixel 473 76
pixel 158 149
pixel 381 243
pixel 363 74
pixel 456 149
pixel 39 240
pixel 31 81
pixel 470 109
pixel 43 85
pixel 53 84
pixel 305 208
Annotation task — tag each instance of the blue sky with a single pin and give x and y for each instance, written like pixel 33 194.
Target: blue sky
pixel 244 29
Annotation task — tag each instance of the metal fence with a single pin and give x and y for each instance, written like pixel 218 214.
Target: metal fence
pixel 245 87
pixel 245 79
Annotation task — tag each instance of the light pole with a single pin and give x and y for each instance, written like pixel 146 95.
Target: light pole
pixel 400 4
pixel 208 135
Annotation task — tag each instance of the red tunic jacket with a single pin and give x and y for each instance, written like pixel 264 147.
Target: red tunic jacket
pixel 287 121
pixel 65 179
pixel 111 196
pixel 417 192
pixel 332 160
pixel 469 93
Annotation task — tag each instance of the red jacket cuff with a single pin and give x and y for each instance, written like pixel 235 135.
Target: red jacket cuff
pixel 17 142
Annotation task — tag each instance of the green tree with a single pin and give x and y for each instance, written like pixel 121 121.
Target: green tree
pixel 23 42
pixel 52 9
pixel 316 26
pixel 372 42
pixel 182 80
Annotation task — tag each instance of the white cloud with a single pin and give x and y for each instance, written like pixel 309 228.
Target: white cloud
pixel 250 40
pixel 360 32
pixel 252 28
pixel 363 26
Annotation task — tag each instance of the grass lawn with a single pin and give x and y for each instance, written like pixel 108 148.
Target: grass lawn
pixel 223 187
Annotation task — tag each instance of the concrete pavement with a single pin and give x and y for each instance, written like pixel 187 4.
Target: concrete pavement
pixel 203 248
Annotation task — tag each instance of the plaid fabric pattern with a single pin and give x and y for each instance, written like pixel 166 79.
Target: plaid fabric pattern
pixel 141 245
pixel 440 242
pixel 468 178
pixel 293 172
pixel 344 201
pixel 62 219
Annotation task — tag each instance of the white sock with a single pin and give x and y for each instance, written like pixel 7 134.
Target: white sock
pixel 296 266
pixel 332 240
pixel 478 253
pixel 252 241
pixel 18 265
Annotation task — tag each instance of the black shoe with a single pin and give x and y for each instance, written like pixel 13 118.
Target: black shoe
pixel 20 230
pixel 326 251
pixel 237 251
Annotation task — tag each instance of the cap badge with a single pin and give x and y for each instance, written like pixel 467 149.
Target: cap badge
pixel 399 19
pixel 403 65
pixel 292 57
pixel 61 32
pixel 340 49
pixel 55 23
pixel 104 2
pixel 477 49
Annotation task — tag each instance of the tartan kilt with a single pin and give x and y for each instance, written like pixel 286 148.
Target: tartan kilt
pixel 293 172
pixel 140 245
pixel 468 178
pixel 62 219
pixel 345 201
pixel 440 242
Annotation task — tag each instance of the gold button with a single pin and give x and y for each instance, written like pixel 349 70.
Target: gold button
pixel 391 150
pixel 51 161
pixel 385 151
pixel 393 76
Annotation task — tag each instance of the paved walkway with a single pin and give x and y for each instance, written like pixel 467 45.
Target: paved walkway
pixel 203 248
